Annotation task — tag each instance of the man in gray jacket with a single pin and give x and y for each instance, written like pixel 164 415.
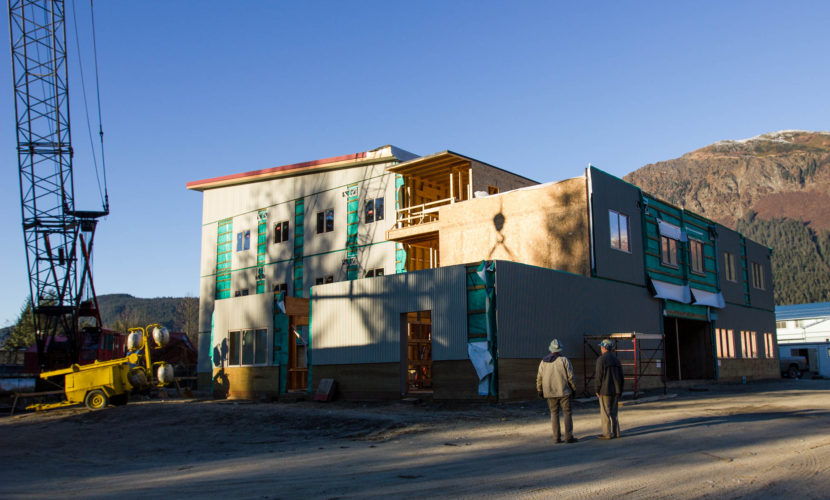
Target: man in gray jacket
pixel 555 383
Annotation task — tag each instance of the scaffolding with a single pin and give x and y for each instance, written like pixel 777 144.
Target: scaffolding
pixel 639 359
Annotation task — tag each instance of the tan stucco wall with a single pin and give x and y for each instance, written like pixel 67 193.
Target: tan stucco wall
pixel 545 226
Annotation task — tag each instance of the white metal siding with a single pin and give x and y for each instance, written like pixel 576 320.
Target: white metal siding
pixel 359 321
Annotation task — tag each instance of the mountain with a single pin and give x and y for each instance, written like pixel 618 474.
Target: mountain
pixel 773 188
pixel 121 311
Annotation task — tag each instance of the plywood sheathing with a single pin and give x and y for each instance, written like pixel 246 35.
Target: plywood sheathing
pixel 246 382
pixel 545 226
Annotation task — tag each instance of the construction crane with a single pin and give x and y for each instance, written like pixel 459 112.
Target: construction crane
pixel 58 236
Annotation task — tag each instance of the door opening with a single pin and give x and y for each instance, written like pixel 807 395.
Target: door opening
pixel 417 342
pixel 688 349
pixel 297 357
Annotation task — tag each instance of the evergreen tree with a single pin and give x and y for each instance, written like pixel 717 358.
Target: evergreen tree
pixel 23 332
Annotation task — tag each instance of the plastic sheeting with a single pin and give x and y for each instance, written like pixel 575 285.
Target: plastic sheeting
pixel 670 291
pixel 483 363
pixel 671 231
pixel 704 298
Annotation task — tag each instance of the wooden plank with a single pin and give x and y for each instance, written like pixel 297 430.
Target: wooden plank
pixel 296 306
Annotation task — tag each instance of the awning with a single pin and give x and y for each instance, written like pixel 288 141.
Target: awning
pixel 670 291
pixel 704 298
pixel 671 231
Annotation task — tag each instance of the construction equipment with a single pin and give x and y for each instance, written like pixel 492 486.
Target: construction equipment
pixel 57 235
pixel 100 383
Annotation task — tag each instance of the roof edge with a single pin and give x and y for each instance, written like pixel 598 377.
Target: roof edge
pixel 377 155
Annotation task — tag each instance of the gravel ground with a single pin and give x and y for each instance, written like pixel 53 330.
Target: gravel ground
pixel 760 440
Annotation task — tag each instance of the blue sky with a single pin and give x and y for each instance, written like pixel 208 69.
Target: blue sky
pixel 192 90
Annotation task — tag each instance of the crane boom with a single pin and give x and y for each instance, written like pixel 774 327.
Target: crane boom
pixel 58 237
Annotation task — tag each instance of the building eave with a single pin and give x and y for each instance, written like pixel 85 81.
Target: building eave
pixel 378 155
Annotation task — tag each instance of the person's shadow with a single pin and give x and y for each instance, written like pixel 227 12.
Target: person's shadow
pixel 221 383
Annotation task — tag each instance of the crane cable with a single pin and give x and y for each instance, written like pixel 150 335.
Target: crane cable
pixel 98 96
pixel 102 193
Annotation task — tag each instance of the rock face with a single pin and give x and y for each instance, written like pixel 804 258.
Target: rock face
pixel 773 188
pixel 780 175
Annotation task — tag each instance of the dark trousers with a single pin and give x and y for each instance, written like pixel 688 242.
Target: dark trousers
pixel 608 415
pixel 555 404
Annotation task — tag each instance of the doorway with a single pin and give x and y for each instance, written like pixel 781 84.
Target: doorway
pixel 688 349
pixel 297 356
pixel 416 343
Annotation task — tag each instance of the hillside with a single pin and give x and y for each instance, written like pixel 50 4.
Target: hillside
pixel 774 188
pixel 122 311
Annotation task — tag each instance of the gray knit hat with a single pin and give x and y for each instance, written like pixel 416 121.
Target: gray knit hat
pixel 555 346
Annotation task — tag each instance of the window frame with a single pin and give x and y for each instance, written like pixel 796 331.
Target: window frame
pixel 236 346
pixel 725 343
pixel 325 221
pixel 673 252
pixel 749 345
pixel 758 281
pixel 615 218
pixel 373 273
pixel 281 232
pixel 697 256
pixel 243 240
pixel 769 346
pixel 377 214
pixel 729 267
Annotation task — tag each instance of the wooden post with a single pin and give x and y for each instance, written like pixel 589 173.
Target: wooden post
pixel 452 195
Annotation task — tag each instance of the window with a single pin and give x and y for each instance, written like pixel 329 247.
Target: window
pixel 696 251
pixel 240 293
pixel 374 272
pixel 780 325
pixel 374 210
pixel 492 190
pixel 668 254
pixel 769 352
pixel 247 347
pixel 726 344
pixel 758 276
pixel 324 280
pixel 281 232
pixel 729 267
pixel 325 221
pixel 281 288
pixel 243 241
pixel 619 230
pixel 748 346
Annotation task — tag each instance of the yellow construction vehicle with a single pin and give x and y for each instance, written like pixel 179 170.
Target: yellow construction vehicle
pixel 100 383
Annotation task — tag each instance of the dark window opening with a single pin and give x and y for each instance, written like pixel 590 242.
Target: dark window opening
pixel 281 232
pixel 325 221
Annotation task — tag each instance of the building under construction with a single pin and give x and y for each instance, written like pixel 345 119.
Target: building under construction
pixel 397 275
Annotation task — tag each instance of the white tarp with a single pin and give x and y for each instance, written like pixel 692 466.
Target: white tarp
pixel 671 231
pixel 483 364
pixel 481 358
pixel 704 298
pixel 670 291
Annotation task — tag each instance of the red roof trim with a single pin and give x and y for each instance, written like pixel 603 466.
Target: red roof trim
pixel 273 170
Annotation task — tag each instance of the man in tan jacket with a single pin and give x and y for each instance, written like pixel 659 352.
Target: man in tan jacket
pixel 555 382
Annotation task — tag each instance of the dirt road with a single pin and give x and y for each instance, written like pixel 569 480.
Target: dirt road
pixel 769 440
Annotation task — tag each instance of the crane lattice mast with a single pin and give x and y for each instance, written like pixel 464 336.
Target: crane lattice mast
pixel 58 237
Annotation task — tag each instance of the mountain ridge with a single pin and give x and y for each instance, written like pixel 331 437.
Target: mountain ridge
pixel 774 188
